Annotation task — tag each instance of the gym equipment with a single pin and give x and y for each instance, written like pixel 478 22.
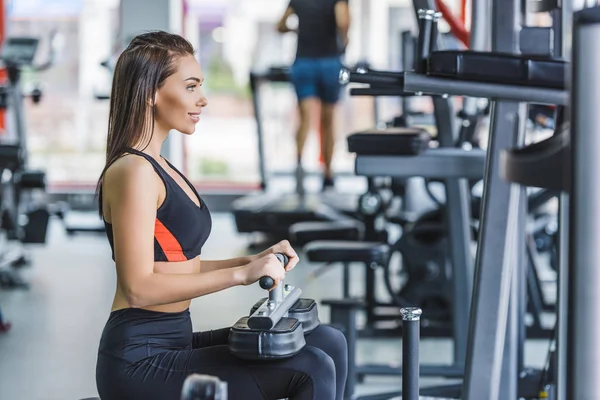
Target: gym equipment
pixel 411 318
pixel 22 219
pixel 203 387
pixel 276 326
pixel 273 214
pixel 494 367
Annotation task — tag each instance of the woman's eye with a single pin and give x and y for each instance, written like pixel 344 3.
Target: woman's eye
pixel 191 87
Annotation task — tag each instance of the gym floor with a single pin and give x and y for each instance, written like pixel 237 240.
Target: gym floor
pixel 50 353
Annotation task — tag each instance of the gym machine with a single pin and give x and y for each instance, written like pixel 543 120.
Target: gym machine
pixel 511 78
pixel 270 213
pixel 22 218
pixel 464 73
pixel 277 325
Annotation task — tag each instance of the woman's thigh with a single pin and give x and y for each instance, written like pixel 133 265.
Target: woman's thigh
pixel 310 375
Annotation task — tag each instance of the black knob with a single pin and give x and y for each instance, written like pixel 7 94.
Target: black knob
pixel 266 282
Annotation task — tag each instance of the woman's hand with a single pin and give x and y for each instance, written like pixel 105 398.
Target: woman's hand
pixel 267 265
pixel 283 247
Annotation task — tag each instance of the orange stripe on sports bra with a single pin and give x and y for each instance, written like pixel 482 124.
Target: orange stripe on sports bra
pixel 168 242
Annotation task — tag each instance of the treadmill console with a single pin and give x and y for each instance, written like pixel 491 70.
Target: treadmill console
pixel 19 50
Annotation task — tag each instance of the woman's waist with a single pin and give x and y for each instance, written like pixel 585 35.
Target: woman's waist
pixel 134 326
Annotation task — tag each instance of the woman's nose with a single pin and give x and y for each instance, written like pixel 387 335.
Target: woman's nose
pixel 203 101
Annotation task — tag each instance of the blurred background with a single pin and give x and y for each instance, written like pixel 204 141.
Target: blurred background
pixel 67 131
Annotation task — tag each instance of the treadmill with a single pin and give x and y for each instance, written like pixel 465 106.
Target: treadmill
pixel 273 213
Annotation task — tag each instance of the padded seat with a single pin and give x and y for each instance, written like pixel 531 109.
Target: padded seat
pixel 503 68
pixel 302 233
pixel 392 141
pixel 346 252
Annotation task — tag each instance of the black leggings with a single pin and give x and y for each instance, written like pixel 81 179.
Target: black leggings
pixel 147 355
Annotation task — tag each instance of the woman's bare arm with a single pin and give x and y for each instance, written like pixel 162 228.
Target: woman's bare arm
pixel 132 192
pixel 214 265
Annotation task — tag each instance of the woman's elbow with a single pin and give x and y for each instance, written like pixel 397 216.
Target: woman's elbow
pixel 136 296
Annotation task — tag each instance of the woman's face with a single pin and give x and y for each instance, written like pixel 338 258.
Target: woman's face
pixel 180 100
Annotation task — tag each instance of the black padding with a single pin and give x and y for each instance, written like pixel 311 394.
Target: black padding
pixel 587 16
pixel 340 251
pixel 392 141
pixel 10 156
pixel 304 310
pixel 306 232
pixel 545 164
pixel 32 180
pixel 350 303
pixel 510 69
pixel 284 340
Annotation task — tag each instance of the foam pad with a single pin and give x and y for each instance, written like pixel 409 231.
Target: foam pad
pixel 510 69
pixel 304 310
pixel 392 141
pixel 306 232
pixel 284 340
pixel 340 251
pixel 32 180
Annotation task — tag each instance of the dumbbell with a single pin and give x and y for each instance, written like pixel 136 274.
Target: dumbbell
pixel 203 387
pixel 276 326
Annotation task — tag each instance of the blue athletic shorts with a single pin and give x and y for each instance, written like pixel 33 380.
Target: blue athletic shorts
pixel 317 77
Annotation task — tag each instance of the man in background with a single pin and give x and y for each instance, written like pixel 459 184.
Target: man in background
pixel 323 27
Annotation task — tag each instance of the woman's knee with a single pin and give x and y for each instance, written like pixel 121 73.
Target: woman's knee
pixel 330 340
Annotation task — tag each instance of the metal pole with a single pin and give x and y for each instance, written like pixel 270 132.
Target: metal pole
pixel 411 318
pixel 254 88
pixel 583 352
pixel 491 362
pixel 562 297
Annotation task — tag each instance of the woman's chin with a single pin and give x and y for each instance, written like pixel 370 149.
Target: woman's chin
pixel 188 130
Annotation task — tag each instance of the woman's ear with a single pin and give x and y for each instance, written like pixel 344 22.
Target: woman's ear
pixel 152 101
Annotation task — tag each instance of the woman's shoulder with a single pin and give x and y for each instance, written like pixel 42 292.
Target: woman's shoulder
pixel 128 169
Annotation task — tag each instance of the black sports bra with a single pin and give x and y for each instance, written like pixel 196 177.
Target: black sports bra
pixel 181 227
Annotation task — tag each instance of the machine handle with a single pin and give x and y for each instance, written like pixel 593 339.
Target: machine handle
pixel 266 282
pixel 372 77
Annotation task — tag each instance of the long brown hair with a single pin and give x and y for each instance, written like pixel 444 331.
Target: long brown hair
pixel 141 70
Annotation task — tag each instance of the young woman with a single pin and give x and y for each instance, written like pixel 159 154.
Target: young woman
pixel 156 224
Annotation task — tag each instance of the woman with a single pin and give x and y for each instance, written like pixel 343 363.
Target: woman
pixel 156 224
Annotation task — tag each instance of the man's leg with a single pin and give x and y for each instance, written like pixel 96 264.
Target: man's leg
pixel 329 94
pixel 304 75
pixel 327 140
pixel 304 109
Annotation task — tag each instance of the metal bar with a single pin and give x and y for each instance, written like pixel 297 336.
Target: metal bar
pixel 480 21
pixel 487 323
pixel 458 222
pixel 370 295
pixel 583 350
pixel 255 87
pixel 411 318
pixel 515 234
pixel 346 280
pixel 416 83
pixel 266 316
pixel 446 371
pixel 434 163
pixel 562 297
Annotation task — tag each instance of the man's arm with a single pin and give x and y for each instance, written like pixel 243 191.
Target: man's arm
pixel 342 20
pixel 282 25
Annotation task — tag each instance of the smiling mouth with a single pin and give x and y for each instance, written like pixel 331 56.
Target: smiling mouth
pixel 195 116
